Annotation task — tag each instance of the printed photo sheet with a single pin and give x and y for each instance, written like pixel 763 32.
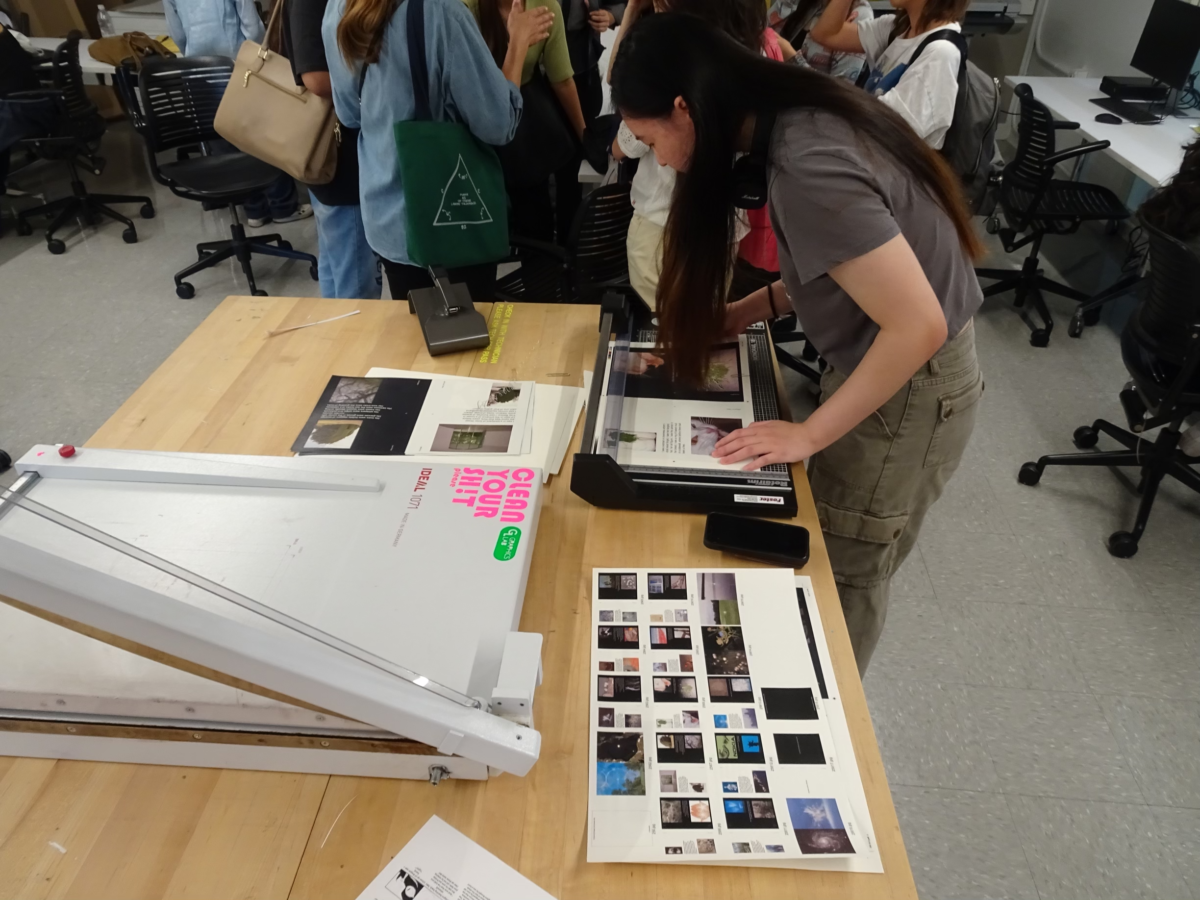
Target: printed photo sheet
pixel 441 863
pixel 715 735
pixel 666 424
pixel 473 416
pixel 424 415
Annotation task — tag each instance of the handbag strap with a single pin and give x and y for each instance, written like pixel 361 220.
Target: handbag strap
pixel 417 63
pixel 272 40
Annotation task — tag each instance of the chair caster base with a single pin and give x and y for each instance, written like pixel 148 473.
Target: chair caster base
pixel 1040 338
pixel 1075 328
pixel 1085 437
pixel 260 293
pixel 56 247
pixel 129 236
pixel 184 291
pixel 1029 474
pixel 1122 544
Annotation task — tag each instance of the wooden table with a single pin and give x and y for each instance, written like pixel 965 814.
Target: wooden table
pixel 151 831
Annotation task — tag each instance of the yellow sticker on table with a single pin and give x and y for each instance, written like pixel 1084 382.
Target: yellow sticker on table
pixel 497 331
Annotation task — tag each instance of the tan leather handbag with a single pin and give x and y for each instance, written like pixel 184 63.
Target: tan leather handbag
pixel 266 114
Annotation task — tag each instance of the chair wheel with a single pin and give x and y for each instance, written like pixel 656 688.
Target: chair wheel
pixel 184 291
pixel 5 461
pixel 24 229
pixel 147 211
pixel 992 225
pixel 1092 317
pixel 260 293
pixel 1075 329
pixel 129 235
pixel 1122 544
pixel 57 247
pixel 1085 437
pixel 1029 474
pixel 1040 338
pixel 314 272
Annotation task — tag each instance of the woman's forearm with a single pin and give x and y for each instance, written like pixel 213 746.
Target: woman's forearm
pixel 514 61
pixel 834 32
pixel 568 98
pixel 890 362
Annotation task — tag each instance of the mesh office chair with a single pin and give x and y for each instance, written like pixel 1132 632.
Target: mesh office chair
pixel 593 261
pixel 173 106
pixel 1161 350
pixel 1035 203
pixel 78 128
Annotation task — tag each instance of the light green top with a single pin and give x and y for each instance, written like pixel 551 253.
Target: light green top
pixel 552 51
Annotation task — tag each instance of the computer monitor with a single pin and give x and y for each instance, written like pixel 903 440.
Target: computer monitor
pixel 1169 43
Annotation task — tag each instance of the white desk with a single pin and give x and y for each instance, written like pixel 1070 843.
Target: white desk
pixel 1151 152
pixel 90 66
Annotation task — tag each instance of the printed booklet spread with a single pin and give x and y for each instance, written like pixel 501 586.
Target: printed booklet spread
pixel 412 416
pixel 717 733
pixel 663 423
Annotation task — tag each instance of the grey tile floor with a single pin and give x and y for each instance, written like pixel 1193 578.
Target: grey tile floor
pixel 1037 701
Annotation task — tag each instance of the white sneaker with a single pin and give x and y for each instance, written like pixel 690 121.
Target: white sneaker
pixel 258 223
pixel 303 211
pixel 1189 441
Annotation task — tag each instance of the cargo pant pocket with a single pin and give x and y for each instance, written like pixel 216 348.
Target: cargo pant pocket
pixel 955 421
pixel 861 545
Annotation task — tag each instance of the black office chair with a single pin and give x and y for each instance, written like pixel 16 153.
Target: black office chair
pixel 1161 350
pixel 1035 203
pixel 78 128
pixel 593 261
pixel 173 106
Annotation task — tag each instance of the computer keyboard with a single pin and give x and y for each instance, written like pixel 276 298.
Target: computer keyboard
pixel 1130 112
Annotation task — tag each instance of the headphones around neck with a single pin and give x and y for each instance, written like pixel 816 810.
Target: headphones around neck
pixel 750 172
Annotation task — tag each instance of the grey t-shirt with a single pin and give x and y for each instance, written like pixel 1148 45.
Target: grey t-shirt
pixel 832 199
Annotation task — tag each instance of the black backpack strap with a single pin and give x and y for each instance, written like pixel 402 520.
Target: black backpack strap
pixel 417 63
pixel 944 34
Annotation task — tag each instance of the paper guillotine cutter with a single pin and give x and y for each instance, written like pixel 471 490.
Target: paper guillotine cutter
pixel 309 644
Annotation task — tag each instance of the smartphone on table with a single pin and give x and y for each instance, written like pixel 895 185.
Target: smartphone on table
pixel 763 540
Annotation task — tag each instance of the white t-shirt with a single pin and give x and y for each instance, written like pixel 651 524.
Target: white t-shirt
pixel 653 185
pixel 925 93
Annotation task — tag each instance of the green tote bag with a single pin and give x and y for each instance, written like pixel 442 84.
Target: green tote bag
pixel 457 208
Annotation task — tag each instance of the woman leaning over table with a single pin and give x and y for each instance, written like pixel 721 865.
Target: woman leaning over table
pixel 464 86
pixel 875 247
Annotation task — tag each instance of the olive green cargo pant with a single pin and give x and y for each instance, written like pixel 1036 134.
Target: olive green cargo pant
pixel 874 486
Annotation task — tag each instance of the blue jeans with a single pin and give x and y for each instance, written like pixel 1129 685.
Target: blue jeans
pixel 345 261
pixel 276 202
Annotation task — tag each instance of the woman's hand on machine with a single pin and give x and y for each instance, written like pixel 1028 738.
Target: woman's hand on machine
pixel 766 443
pixel 529 27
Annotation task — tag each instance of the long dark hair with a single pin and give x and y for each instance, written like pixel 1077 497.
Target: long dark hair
pixel 494 30
pixel 743 20
pixel 1175 207
pixel 673 55
pixel 934 11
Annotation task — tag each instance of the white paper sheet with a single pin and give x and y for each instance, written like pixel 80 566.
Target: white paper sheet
pixel 474 416
pixel 711 742
pixel 554 413
pixel 441 863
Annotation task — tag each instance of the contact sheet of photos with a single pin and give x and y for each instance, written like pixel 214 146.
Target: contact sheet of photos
pixel 717 734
